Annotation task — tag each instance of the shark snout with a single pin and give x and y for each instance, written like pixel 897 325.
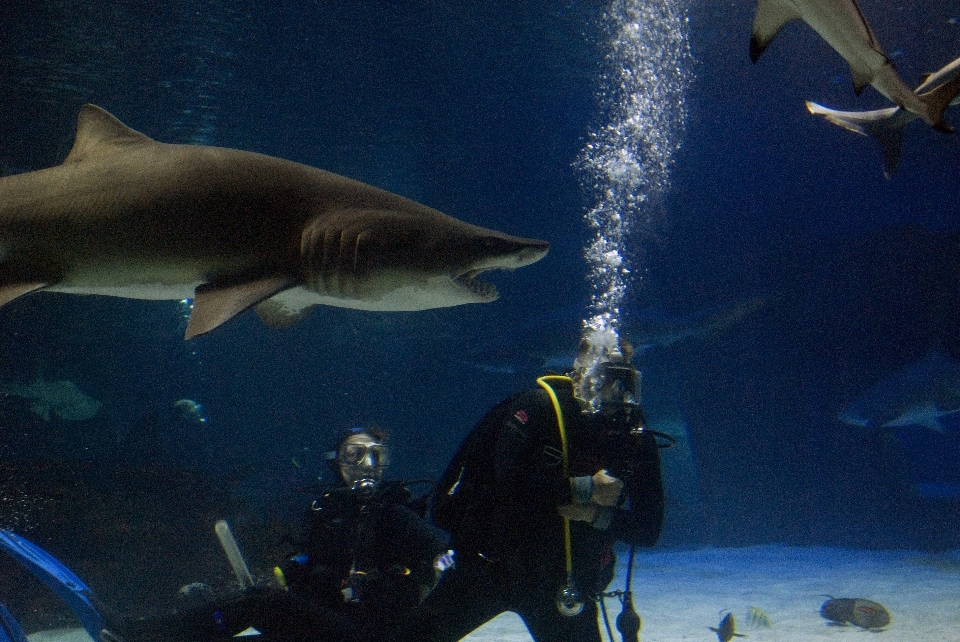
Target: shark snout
pixel 509 252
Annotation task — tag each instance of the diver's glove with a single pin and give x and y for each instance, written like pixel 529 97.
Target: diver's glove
pixel 355 588
pixel 606 489
pixel 443 561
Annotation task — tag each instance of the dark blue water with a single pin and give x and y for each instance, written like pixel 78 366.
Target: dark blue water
pixel 480 111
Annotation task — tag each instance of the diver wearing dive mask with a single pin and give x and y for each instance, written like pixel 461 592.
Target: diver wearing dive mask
pixel 364 560
pixel 362 459
pixel 537 495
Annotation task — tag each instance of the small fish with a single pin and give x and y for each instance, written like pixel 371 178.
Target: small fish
pixel 866 614
pixel 727 629
pixel 759 618
pixel 191 411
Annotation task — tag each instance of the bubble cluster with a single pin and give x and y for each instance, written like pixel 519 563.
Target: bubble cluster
pixel 19 507
pixel 625 164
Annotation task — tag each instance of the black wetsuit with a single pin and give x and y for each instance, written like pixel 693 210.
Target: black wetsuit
pixel 506 530
pixel 377 546
pixel 379 549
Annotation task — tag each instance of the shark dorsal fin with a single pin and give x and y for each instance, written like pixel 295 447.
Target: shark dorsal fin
pixel 98 129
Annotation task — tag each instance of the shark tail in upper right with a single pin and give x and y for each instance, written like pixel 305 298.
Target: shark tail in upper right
pixel 936 101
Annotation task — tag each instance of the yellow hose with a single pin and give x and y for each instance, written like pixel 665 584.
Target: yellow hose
pixel 542 381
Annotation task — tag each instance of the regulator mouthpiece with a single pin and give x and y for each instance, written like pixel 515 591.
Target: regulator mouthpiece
pixel 366 486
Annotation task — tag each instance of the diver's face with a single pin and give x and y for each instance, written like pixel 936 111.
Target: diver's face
pixel 362 461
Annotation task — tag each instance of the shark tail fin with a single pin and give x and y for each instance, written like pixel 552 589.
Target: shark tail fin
pixel 936 101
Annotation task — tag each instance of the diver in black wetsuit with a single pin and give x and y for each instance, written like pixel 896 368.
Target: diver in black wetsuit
pixel 368 557
pixel 367 560
pixel 574 451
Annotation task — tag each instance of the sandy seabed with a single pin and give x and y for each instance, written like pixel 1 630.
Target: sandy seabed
pixel 679 594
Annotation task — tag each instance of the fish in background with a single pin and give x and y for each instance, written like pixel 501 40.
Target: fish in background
pixel 842 25
pixel 867 614
pixel 727 629
pixel 62 399
pixel 919 394
pixel 171 436
pixel 549 342
pixel 886 126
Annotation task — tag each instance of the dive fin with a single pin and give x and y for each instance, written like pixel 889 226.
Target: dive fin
pixel 58 577
pixel 862 76
pixel 10 629
pixel 214 305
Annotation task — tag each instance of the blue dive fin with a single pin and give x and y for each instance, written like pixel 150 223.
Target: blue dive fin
pixel 58 577
pixel 10 629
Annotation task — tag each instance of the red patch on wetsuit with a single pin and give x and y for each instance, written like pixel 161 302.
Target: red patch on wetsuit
pixel 521 416
pixel 606 557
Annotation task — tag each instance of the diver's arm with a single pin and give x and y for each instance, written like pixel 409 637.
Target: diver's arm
pixel 638 519
pixel 421 545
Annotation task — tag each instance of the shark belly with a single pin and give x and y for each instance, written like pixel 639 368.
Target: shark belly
pixel 402 297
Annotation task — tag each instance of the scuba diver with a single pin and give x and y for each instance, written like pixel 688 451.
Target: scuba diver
pixel 535 498
pixel 367 556
pixel 367 560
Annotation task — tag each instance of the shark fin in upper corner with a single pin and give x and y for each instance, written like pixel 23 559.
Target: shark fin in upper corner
pixel 770 16
pixel 98 129
pixel 214 305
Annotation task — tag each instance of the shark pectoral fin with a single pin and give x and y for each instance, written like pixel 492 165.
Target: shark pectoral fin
pixel 770 16
pixel 278 315
pixel 10 292
pixel 214 305
pixel 843 119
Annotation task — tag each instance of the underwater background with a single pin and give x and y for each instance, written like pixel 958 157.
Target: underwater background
pixel 784 278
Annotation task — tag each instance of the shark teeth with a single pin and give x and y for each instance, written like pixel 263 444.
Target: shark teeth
pixel 483 289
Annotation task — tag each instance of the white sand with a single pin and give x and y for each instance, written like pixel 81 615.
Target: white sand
pixel 680 594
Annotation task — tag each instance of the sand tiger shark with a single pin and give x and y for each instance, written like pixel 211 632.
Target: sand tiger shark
pixel 919 394
pixel 887 125
pixel 842 24
pixel 130 217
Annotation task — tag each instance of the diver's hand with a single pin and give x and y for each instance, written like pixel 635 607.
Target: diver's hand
pixel 606 489
pixel 578 512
